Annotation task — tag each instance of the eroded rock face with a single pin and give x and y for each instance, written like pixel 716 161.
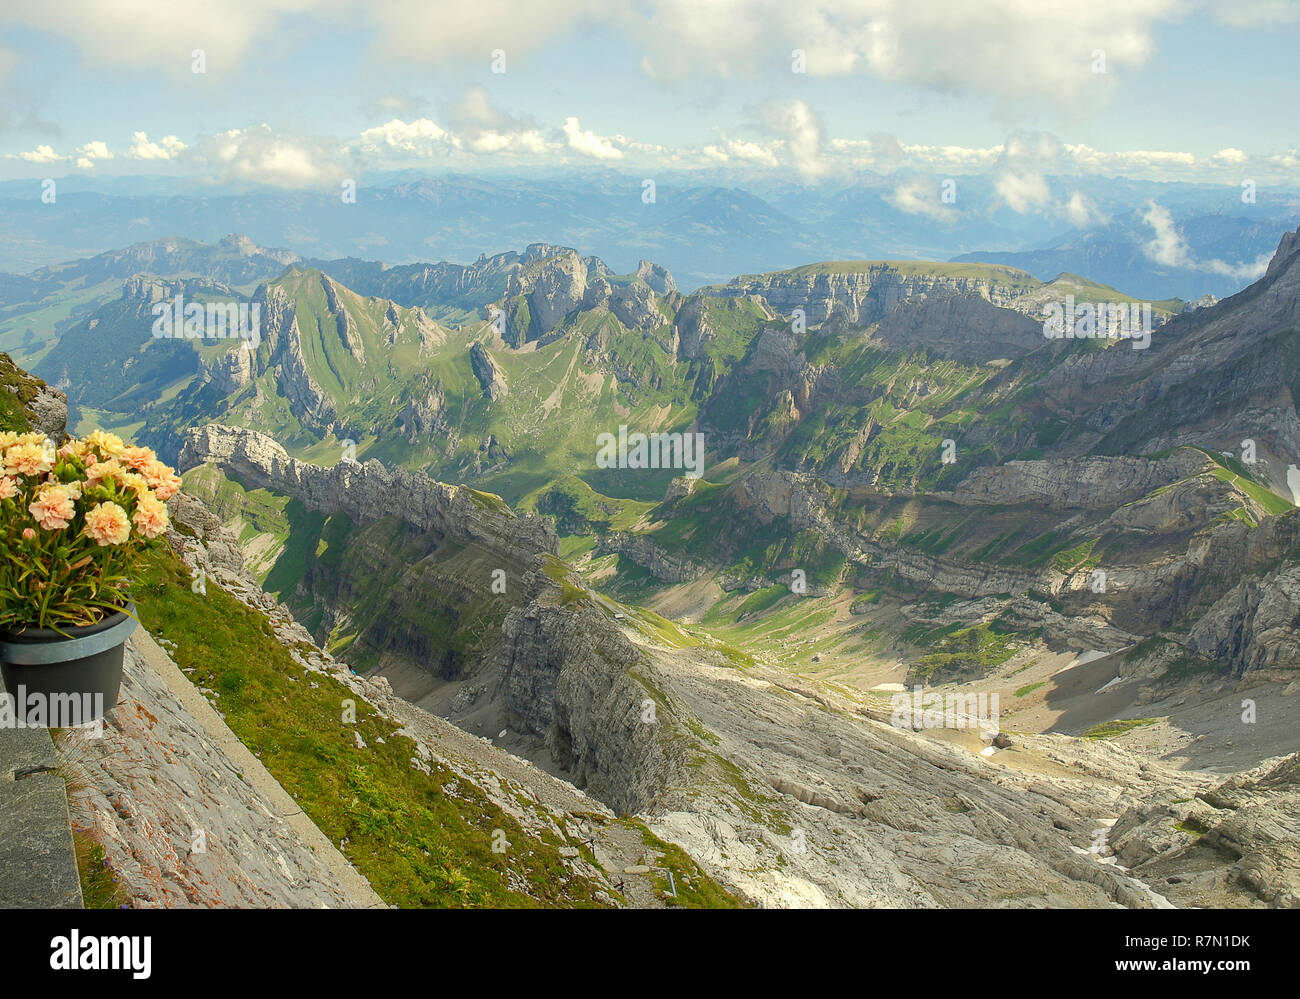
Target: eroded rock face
pixel 554 281
pixel 584 678
pixel 1255 625
pixel 346 328
pixel 425 417
pixel 311 404
pixel 869 296
pixel 960 323
pixel 44 407
pixel 664 565
pixel 558 288
pixel 565 673
pixel 229 371
pixel 574 680
pixel 634 305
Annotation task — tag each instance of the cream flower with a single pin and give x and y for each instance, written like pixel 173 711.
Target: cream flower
pixel 109 469
pixel 107 524
pixel 28 458
pixel 8 488
pixel 150 517
pixel 110 444
pixel 52 508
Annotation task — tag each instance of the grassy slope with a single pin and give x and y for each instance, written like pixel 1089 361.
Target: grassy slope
pixel 421 840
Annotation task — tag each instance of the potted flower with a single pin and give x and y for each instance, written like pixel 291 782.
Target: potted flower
pixel 74 521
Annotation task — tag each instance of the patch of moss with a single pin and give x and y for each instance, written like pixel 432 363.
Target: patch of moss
pixel 1118 727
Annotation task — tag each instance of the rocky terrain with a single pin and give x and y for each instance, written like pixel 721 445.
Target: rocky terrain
pixel 854 811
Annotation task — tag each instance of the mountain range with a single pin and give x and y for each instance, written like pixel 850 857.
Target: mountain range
pixel 908 483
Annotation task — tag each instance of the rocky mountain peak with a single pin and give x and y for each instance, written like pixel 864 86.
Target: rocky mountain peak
pixel 1287 252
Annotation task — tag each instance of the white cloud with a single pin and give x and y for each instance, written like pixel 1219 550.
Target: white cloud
pixel 259 154
pixel 142 149
pixel 138 33
pixel 484 128
pixel 1023 193
pixel 588 143
pixel 422 138
pixel 741 150
pixel 1001 48
pixel 801 131
pixel 1230 157
pixel 489 141
pixel 1242 272
pixel 1166 245
pixel 921 196
pixel 41 154
pixel 88 154
pixel 1081 213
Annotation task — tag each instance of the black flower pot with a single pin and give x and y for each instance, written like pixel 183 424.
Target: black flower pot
pixel 70 680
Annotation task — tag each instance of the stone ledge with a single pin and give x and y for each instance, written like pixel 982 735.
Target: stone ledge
pixel 38 862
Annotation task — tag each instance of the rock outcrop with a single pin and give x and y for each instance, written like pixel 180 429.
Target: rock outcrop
pixel 366 492
pixel 1088 482
pixel 862 294
pixel 30 403
pixel 570 677
pixel 1241 836
pixel 488 373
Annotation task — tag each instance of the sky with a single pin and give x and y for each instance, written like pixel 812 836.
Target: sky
pixel 307 93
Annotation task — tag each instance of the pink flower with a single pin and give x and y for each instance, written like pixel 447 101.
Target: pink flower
pixel 107 524
pixel 162 480
pixel 8 488
pixel 52 508
pixel 137 458
pixel 28 534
